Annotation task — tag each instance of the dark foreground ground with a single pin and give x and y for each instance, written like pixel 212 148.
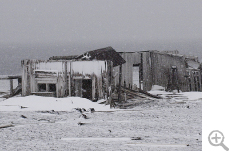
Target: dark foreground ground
pixel 155 125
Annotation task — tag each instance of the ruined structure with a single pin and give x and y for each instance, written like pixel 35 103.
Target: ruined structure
pixel 88 75
pixel 96 73
pixel 168 69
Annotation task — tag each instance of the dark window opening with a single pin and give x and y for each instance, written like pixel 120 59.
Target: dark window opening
pixel 52 87
pixel 42 87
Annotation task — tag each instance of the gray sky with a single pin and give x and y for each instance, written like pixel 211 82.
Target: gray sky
pixel 110 21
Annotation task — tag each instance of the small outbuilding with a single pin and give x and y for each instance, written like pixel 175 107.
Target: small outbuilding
pixel 89 75
pixel 169 69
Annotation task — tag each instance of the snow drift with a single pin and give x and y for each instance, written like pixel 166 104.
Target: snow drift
pixel 38 103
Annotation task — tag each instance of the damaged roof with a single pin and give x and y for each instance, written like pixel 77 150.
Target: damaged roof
pixel 107 53
pixel 63 57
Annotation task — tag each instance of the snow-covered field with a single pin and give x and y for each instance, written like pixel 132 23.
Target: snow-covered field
pixel 167 124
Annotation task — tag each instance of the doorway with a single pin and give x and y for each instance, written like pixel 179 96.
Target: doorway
pixel 136 76
pixel 87 88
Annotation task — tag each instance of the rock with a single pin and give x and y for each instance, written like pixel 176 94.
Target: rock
pixel 84 116
pixel 23 116
pixel 81 123
pixel 23 107
pixel 91 110
pixel 136 138
pixel 78 109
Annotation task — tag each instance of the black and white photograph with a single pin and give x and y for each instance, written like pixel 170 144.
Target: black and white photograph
pixel 101 75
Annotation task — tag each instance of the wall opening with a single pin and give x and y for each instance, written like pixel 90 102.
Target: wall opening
pixel 135 76
pixel 52 87
pixel 87 88
pixel 42 87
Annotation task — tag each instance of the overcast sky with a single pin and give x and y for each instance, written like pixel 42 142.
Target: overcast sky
pixel 84 21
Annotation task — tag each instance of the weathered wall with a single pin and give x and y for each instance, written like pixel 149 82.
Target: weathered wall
pixel 147 71
pixel 35 72
pixel 127 68
pixel 64 73
pixel 194 80
pixel 155 69
pixel 162 64
pixel 143 60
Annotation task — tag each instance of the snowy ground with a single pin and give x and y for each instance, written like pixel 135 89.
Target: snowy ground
pixel 168 124
pixel 38 103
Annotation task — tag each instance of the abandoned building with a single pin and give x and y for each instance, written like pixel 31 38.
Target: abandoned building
pixel 95 73
pixel 166 68
pixel 88 75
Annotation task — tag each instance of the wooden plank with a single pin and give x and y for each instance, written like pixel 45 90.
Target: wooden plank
pixel 11 87
pixel 7 77
pixel 119 87
pixel 5 126
pixel 141 94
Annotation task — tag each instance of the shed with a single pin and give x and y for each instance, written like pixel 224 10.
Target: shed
pixel 88 75
pixel 169 69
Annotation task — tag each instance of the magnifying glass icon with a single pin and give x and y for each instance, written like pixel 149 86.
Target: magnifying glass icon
pixel 216 138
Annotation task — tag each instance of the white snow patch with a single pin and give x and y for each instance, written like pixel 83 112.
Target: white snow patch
pixel 38 103
pixel 157 145
pixel 193 95
pixel 189 95
pixel 97 139
pixel 101 101
pixel 158 88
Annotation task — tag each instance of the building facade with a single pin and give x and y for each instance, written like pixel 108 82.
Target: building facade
pixel 144 69
pixel 89 75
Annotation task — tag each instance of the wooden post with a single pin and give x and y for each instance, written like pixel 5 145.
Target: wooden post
pixel 57 85
pixel 70 79
pixel 65 79
pixel 120 81
pixel 11 87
